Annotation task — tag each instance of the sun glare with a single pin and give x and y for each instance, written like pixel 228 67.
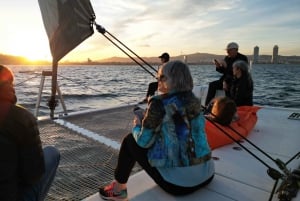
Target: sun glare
pixel 30 46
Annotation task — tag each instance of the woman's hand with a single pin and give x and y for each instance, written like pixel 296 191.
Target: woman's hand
pixel 138 116
pixel 136 121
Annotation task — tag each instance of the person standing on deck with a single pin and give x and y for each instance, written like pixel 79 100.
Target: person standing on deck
pixel 152 87
pixel 26 169
pixel 169 143
pixel 225 67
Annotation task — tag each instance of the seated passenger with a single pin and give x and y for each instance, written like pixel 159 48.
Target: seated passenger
pixel 225 68
pixel 223 110
pixel 241 90
pixel 26 169
pixel 163 141
pixel 152 87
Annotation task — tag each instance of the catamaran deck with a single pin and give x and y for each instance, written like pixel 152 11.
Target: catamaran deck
pixel 88 162
pixel 85 163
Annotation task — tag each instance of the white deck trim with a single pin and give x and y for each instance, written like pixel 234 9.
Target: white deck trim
pixel 88 133
pixel 239 176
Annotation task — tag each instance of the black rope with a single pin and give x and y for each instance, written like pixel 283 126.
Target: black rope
pixel 278 162
pixel 273 173
pixel 236 141
pixel 27 79
pixel 273 190
pixel 133 52
pixel 296 155
pixel 103 31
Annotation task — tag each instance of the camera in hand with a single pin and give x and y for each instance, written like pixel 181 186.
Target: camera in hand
pixel 139 112
pixel 217 62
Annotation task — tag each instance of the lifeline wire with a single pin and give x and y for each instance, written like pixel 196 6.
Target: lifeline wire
pixel 273 173
pixel 102 30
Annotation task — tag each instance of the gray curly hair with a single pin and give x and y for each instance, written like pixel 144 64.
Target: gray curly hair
pixel 179 75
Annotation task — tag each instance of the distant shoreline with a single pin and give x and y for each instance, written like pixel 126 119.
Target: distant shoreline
pixel 192 59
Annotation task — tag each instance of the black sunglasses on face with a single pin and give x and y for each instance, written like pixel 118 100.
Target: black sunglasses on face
pixel 161 78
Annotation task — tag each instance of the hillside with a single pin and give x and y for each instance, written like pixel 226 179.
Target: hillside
pixel 195 58
pixel 13 60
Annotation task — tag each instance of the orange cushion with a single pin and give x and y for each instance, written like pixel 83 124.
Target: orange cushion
pixel 244 125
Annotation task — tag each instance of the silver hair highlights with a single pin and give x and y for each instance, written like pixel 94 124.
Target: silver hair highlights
pixel 178 75
pixel 242 65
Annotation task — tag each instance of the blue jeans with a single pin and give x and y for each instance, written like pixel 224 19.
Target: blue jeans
pixel 38 191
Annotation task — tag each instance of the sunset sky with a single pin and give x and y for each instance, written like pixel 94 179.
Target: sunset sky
pixel 150 27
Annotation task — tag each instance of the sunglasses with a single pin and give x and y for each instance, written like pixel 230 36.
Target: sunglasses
pixel 161 78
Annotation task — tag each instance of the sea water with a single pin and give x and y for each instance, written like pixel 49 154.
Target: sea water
pixel 86 87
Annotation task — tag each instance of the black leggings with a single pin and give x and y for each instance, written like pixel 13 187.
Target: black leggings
pixel 212 89
pixel 130 153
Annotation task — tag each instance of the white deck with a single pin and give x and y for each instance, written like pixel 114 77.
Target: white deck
pixel 239 176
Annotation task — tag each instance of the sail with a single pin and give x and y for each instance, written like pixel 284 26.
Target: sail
pixel 67 23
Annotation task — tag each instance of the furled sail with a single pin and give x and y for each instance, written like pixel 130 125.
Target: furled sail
pixel 67 23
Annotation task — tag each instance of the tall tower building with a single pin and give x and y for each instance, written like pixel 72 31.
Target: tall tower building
pixel 255 54
pixel 275 55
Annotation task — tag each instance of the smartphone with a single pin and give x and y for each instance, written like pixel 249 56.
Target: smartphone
pixel 139 112
pixel 216 62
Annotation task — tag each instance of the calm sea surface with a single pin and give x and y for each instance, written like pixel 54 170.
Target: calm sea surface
pixel 94 87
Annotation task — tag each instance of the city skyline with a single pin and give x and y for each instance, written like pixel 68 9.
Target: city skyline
pixel 275 55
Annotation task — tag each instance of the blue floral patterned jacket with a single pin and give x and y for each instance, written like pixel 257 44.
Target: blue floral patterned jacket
pixel 173 131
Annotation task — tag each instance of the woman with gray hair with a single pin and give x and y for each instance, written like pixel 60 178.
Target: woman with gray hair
pixel 169 142
pixel 241 90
